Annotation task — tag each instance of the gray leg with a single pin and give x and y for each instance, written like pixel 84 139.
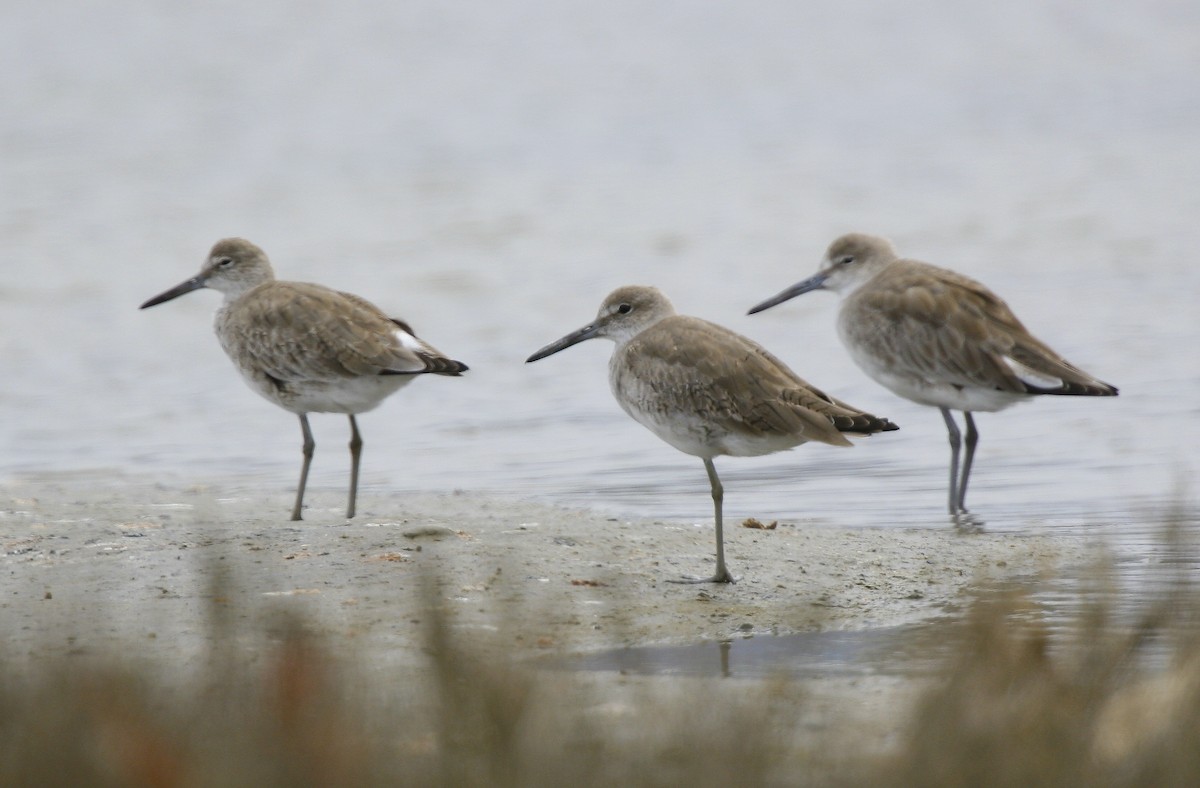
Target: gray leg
pixel 972 440
pixel 722 574
pixel 955 446
pixel 355 455
pixel 309 446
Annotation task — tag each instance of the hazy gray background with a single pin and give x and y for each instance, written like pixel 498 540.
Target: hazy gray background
pixel 490 170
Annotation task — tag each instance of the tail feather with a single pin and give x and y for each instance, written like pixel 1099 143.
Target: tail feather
pixel 863 424
pixel 1040 371
pixel 1097 388
pixel 435 365
pixel 440 365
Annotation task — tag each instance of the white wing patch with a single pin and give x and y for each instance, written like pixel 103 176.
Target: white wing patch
pixel 1032 378
pixel 410 342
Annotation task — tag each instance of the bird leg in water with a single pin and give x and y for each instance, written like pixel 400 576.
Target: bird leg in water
pixel 955 446
pixel 356 444
pixel 971 439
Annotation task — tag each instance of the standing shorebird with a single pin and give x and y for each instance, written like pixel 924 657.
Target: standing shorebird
pixel 307 348
pixel 708 391
pixel 937 338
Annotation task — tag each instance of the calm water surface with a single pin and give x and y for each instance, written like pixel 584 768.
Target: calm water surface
pixel 490 170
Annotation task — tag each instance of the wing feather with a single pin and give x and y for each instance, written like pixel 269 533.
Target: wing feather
pixel 736 384
pixel 298 331
pixel 942 327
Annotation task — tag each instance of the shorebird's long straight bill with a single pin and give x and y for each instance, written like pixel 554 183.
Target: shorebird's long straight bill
pixel 574 338
pixel 195 283
pixel 815 282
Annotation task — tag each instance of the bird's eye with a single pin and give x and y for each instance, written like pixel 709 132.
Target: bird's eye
pixel 845 259
pixel 624 309
pixel 225 262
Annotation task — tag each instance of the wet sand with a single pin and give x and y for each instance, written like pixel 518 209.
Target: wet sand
pixel 120 568
pixel 93 564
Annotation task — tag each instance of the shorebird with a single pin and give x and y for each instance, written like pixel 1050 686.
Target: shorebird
pixel 708 391
pixel 307 348
pixel 937 338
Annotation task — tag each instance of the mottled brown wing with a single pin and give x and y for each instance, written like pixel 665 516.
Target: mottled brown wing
pixel 435 361
pixel 948 328
pixel 298 331
pixel 735 382
pixel 936 325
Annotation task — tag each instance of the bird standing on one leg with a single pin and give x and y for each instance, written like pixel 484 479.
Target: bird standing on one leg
pixel 937 338
pixel 708 391
pixel 308 348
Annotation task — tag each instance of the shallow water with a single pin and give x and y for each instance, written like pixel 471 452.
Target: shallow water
pixel 883 651
pixel 489 171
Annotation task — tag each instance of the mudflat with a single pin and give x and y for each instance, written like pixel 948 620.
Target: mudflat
pixel 94 563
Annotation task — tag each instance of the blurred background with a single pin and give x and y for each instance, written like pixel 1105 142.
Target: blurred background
pixel 489 171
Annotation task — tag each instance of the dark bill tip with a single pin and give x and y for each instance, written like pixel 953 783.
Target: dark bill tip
pixel 195 283
pixel 574 338
pixel 812 283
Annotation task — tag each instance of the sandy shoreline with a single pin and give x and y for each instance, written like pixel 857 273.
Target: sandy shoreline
pixel 160 578
pixel 91 567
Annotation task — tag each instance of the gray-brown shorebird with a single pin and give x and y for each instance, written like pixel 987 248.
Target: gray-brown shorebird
pixel 937 338
pixel 708 391
pixel 307 348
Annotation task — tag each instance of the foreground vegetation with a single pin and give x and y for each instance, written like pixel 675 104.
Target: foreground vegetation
pixel 1108 697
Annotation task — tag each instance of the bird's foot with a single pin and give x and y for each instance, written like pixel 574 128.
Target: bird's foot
pixel 722 576
pixel 967 522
